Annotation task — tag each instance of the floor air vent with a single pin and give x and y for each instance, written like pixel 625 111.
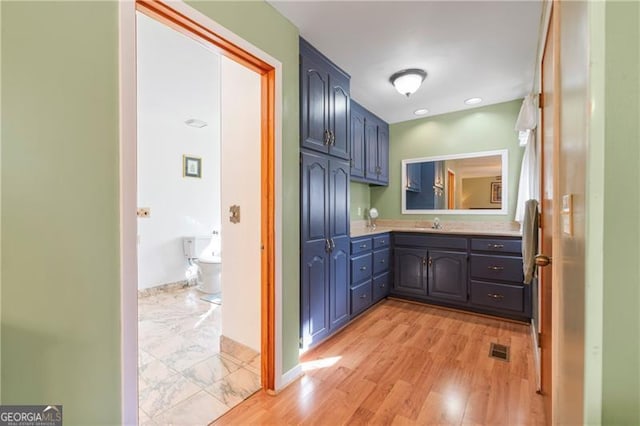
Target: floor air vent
pixel 500 352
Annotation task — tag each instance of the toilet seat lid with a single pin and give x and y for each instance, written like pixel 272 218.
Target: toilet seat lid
pixel 209 258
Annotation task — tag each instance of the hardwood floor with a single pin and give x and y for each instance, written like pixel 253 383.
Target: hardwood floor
pixel 402 363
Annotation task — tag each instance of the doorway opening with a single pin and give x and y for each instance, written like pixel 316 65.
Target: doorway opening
pixel 187 178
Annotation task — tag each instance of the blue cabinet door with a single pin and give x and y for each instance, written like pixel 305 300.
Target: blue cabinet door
pixel 339 281
pixel 357 142
pixel 314 103
pixel 339 219
pixel 371 149
pixel 410 272
pixel 413 183
pixel 314 292
pixel 383 153
pixel 447 275
pixel 339 124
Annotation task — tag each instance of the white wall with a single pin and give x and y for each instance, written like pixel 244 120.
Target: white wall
pixel 241 186
pixel 178 79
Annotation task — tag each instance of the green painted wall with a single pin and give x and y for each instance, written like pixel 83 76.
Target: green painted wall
pixel 60 245
pixel 360 199
pixel 621 248
pixel 594 215
pixel 60 270
pixel 479 129
pixel 261 25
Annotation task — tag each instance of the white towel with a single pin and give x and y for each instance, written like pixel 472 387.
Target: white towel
pixel 529 239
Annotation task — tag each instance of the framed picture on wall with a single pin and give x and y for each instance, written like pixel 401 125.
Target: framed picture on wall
pixel 191 166
pixel 496 192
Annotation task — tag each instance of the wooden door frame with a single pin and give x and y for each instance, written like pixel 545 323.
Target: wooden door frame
pixel 552 22
pixel 186 20
pixel 451 189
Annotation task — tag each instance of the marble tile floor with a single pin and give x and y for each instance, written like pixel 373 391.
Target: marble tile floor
pixel 183 378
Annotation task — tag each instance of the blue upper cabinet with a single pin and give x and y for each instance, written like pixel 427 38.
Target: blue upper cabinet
pixel 373 135
pixel 325 104
pixel 357 142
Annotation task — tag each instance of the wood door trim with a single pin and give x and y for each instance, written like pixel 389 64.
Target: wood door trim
pixel 164 13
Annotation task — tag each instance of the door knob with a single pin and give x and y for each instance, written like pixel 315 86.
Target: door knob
pixel 542 260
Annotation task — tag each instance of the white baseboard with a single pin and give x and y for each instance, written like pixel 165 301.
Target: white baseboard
pixel 288 378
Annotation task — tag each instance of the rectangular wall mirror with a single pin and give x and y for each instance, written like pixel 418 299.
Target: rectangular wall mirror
pixel 475 183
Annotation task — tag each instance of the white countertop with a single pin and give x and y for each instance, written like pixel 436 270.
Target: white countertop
pixel 363 231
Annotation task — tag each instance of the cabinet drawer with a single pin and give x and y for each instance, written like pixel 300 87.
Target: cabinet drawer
pixel 381 261
pixel 360 245
pixel 381 241
pixel 381 286
pixel 422 240
pixel 360 268
pixel 496 245
pixel 503 268
pixel 498 296
pixel 360 298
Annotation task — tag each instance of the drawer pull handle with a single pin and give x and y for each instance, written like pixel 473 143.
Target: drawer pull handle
pixel 363 268
pixel 363 246
pixel 495 296
pixel 382 261
pixel 495 268
pixel 496 246
pixel 364 296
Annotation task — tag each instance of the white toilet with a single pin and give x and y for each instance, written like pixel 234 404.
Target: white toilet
pixel 204 251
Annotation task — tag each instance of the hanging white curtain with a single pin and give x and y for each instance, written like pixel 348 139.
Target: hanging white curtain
pixel 529 180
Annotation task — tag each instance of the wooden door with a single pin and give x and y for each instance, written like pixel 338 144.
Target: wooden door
pixel 447 276
pixel 314 294
pixel 548 157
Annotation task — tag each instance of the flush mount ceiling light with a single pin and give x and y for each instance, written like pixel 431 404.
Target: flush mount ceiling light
pixel 421 111
pixel 194 122
pixel 408 81
pixel 473 101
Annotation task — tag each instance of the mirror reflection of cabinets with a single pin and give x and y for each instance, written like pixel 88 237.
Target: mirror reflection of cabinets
pixel 463 183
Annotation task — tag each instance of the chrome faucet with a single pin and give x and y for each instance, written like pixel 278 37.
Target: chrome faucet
pixel 436 224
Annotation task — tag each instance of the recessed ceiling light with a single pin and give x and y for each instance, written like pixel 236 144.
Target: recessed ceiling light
pixel 421 111
pixel 194 122
pixel 473 101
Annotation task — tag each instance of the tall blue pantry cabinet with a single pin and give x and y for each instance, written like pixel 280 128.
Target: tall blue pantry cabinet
pixel 324 196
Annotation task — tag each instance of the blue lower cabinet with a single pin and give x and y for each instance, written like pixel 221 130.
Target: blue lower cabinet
pixel 381 286
pixel 472 273
pixel 361 297
pixel 370 265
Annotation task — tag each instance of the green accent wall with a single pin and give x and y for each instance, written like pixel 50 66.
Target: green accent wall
pixel 621 245
pixel 260 24
pixel 360 199
pixel 474 130
pixel 60 214
pixel 60 306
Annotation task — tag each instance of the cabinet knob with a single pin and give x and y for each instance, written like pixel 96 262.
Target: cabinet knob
pixel 364 296
pixel 381 260
pixel 363 246
pixel 363 268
